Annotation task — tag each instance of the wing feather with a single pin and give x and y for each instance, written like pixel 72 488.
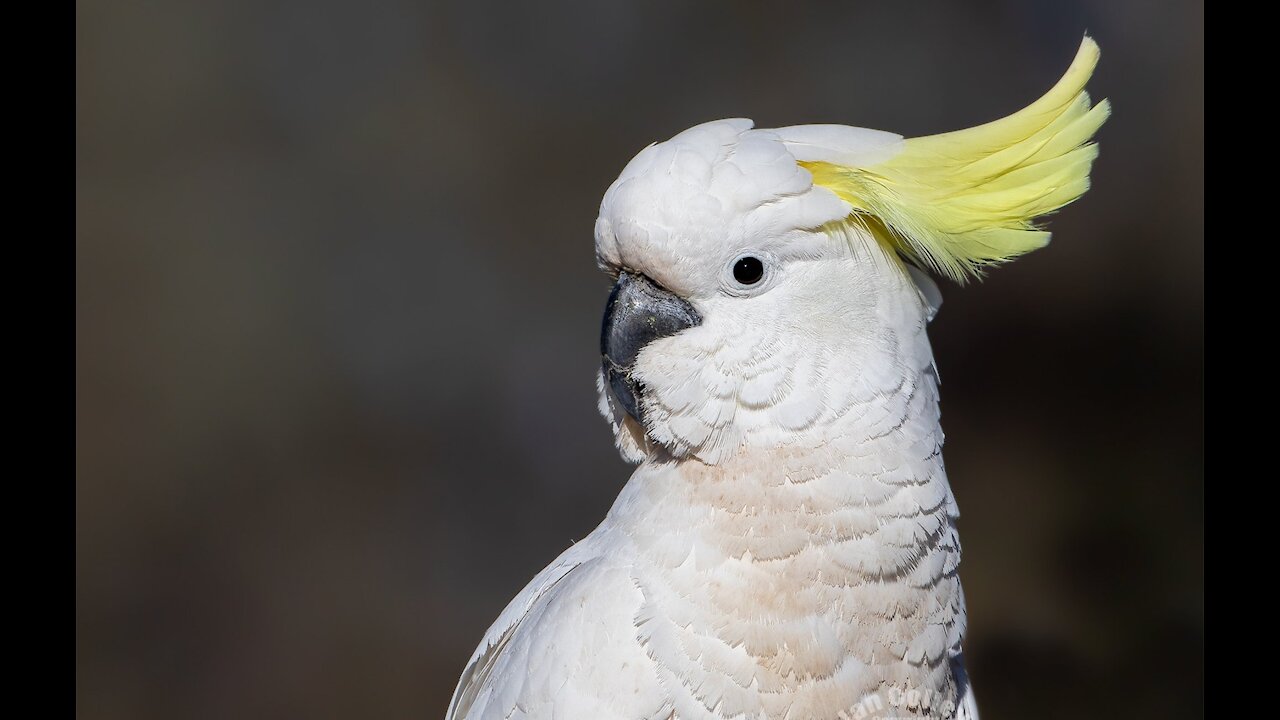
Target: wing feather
pixel 476 675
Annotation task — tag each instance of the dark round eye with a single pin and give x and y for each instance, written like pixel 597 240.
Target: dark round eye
pixel 748 270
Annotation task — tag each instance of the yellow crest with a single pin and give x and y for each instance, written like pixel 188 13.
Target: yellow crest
pixel 959 201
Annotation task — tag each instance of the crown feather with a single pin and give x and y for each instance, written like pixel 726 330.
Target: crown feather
pixel 961 201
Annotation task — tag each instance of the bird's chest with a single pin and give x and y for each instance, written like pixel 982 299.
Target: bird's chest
pixel 795 592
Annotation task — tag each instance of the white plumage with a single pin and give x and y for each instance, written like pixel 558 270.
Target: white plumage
pixel 787 547
pixel 801 554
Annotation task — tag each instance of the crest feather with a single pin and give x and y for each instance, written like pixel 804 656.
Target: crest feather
pixel 963 200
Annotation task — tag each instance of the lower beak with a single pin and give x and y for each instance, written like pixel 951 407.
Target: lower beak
pixel 639 311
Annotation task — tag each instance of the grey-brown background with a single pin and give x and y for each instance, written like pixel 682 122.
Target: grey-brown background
pixel 337 321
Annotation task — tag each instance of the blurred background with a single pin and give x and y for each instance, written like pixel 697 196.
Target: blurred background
pixel 338 315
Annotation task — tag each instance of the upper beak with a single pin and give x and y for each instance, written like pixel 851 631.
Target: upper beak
pixel 639 311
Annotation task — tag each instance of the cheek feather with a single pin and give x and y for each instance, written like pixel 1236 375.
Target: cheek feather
pixel 768 386
pixel 802 405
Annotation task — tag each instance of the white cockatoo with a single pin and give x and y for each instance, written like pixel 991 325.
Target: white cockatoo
pixel 787 547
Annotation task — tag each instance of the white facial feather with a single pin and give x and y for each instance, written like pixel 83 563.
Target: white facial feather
pixel 779 360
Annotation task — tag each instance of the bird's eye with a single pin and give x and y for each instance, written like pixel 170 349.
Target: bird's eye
pixel 748 270
pixel 749 274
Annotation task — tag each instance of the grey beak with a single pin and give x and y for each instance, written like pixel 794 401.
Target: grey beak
pixel 638 312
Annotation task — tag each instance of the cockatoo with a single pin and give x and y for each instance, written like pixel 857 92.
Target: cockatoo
pixel 786 548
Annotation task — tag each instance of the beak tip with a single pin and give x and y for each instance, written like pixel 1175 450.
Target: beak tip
pixel 625 390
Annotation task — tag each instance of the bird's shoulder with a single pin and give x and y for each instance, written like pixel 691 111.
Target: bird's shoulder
pixel 568 629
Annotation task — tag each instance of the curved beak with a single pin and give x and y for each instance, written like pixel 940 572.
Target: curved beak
pixel 639 311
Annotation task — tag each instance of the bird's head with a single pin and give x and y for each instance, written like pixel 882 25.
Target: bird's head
pixel 768 281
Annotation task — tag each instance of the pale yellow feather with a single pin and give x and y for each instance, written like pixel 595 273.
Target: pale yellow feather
pixel 963 200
